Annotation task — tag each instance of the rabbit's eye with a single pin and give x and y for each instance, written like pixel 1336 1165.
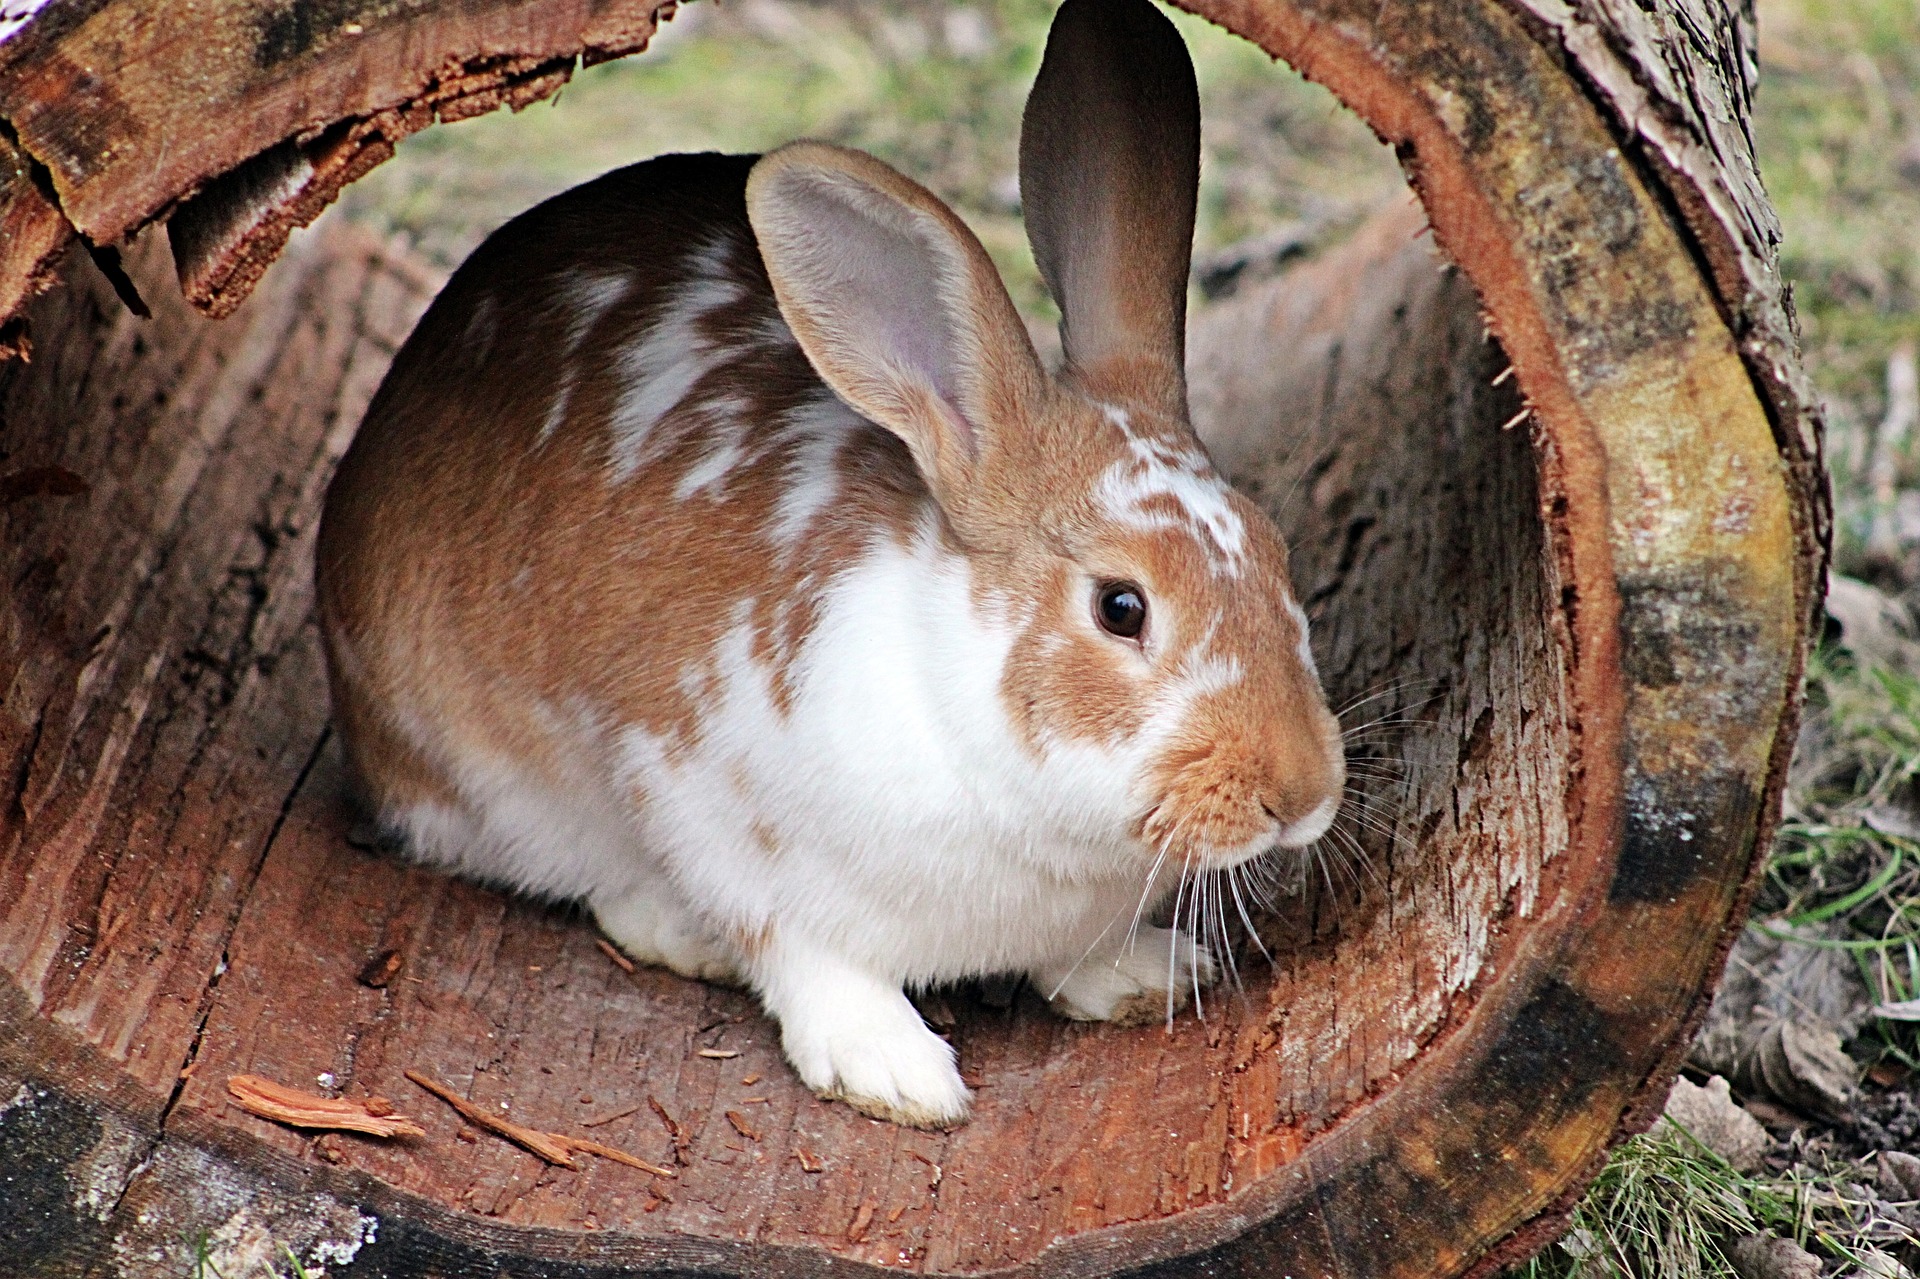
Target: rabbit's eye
pixel 1121 609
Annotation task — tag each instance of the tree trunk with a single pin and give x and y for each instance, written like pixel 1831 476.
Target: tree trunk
pixel 1579 586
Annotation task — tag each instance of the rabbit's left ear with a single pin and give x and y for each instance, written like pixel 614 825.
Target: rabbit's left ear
pixel 897 306
pixel 1109 175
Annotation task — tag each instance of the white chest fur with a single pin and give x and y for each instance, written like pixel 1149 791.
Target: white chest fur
pixel 891 813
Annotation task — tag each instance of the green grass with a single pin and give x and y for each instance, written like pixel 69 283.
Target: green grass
pixel 1667 1207
pixel 203 1267
pixel 1830 862
pixel 1664 1205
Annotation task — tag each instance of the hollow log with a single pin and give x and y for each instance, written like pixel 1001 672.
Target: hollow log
pixel 1553 484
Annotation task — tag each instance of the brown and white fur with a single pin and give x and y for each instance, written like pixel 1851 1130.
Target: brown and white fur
pixel 719 553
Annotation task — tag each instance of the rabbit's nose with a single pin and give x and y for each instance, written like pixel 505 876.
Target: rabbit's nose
pixel 1304 796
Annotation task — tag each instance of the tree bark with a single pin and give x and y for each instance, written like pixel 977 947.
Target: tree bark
pixel 1553 484
pixel 239 121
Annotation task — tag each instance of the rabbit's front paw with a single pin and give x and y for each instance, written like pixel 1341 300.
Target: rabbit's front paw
pixel 882 1061
pixel 1129 985
pixel 855 1039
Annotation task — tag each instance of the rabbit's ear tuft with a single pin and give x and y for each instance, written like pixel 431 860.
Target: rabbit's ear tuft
pixel 1109 173
pixel 896 305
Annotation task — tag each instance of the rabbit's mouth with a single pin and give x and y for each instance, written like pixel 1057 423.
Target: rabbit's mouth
pixel 1303 831
pixel 1206 822
pixel 1221 807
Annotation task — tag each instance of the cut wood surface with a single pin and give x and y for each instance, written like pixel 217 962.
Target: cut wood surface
pixel 1581 585
pixel 34 234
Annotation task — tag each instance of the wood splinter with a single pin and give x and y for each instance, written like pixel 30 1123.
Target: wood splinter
pixel 625 965
pixel 555 1148
pixel 621 1113
pixel 373 1116
pixel 682 1142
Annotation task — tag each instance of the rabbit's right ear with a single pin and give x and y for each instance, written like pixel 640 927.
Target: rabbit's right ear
pixel 1109 175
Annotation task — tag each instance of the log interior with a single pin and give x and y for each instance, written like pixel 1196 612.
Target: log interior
pixel 179 893
pixel 1361 399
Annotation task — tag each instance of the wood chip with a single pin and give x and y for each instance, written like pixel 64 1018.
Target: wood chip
pixel 750 1081
pixel 717 1054
pixel 41 481
pixel 556 1148
pixel 681 1141
pixel 933 1181
pixel 896 1214
pixel 1887 1073
pixel 861 1220
pixel 382 968
pixel 809 1162
pixel 741 1126
pixel 378 1107
pixel 621 1113
pixel 298 1109
pixel 613 952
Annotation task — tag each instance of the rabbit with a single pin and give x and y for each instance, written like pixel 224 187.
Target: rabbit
pixel 718 552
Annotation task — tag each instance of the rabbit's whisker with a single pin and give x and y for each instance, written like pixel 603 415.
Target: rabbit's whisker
pixel 1068 975
pixel 1146 891
pixel 1246 920
pixel 1378 724
pixel 1173 943
pixel 1356 855
pixel 1362 699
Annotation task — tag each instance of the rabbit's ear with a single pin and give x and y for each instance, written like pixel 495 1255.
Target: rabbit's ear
pixel 896 305
pixel 1109 171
